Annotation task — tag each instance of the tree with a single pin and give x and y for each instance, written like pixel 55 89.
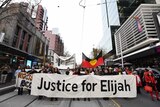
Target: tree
pixel 66 54
pixel 4 3
pixel 96 51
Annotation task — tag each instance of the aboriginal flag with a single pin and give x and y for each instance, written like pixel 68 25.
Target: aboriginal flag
pixel 92 63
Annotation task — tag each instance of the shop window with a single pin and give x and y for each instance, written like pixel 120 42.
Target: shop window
pixel 14 41
pixel 16 36
pixel 29 38
pixel 18 29
pixel 21 45
pixel 27 47
pixel 23 35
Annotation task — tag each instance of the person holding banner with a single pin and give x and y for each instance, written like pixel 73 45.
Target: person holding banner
pixel 138 82
pixel 82 71
pixel 77 72
pixel 20 89
pixel 86 73
pixel 55 71
pixel 43 70
pixel 91 71
pixel 32 71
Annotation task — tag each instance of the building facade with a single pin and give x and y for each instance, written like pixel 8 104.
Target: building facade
pixel 127 7
pixel 41 18
pixel 21 40
pixel 110 19
pixel 138 39
pixel 56 44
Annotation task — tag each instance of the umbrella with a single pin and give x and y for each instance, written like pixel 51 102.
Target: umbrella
pixel 116 64
pixel 125 64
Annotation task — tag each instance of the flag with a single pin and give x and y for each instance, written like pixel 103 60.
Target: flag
pixel 92 63
pixel 138 24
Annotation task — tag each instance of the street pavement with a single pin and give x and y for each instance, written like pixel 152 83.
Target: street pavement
pixel 142 100
pixel 11 99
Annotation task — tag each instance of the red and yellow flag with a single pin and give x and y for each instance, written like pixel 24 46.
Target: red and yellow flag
pixel 92 63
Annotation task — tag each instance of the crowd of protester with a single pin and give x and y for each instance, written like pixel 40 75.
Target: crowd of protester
pixel 147 76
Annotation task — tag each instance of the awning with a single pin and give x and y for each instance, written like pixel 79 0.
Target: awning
pixel 141 52
pixel 14 51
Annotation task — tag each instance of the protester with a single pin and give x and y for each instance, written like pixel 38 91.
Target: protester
pixel 128 71
pixel 43 70
pixel 32 71
pixel 86 73
pixel 17 71
pixel 55 71
pixel 138 82
pixel 91 71
pixel 67 71
pixel 82 71
pixel 150 81
pixel 77 72
pixel 145 74
pixel 20 89
pixel 71 71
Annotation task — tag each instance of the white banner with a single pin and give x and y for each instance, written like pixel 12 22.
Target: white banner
pixel 24 80
pixel 62 62
pixel 91 86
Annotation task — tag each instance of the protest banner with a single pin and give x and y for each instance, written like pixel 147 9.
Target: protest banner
pixel 87 86
pixel 24 80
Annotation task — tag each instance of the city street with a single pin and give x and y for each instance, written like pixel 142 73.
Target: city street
pixel 79 53
pixel 13 100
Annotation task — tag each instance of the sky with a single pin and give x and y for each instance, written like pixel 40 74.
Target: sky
pixel 80 28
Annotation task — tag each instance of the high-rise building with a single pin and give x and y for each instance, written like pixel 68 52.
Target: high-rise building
pixel 138 39
pixel 56 44
pixel 127 7
pixel 110 19
pixel 20 40
pixel 41 18
pixel 114 14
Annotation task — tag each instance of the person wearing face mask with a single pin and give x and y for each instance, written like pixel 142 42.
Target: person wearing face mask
pixel 150 81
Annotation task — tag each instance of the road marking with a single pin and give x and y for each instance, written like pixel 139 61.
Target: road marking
pixel 7 87
pixel 118 105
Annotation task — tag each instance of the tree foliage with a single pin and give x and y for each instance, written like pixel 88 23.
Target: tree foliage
pixel 96 51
